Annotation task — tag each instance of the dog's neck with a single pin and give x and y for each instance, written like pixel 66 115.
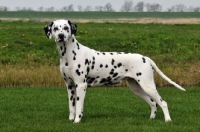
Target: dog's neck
pixel 64 46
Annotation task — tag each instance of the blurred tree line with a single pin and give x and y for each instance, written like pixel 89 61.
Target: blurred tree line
pixel 128 6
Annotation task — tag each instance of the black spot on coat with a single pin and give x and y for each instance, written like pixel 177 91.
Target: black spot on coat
pixel 78 73
pixel 103 80
pixel 64 74
pixel 144 60
pixel 92 67
pixel 101 66
pixel 88 69
pixel 78 46
pixel 108 79
pixel 70 87
pixel 139 74
pixel 86 62
pixel 90 80
pixel 73 103
pixel 114 75
pixel 74 52
pixel 119 64
pixel 112 71
pixel 113 61
pixel 74 58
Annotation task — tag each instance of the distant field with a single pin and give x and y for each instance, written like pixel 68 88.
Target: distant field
pixel 101 17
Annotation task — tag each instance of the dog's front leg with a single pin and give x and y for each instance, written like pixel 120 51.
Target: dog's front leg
pixel 80 96
pixel 72 100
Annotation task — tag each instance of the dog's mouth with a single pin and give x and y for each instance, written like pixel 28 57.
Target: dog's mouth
pixel 60 40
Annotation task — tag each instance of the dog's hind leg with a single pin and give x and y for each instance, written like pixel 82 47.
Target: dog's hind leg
pixel 137 90
pixel 150 88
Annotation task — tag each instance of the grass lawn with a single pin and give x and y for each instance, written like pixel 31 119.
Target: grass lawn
pixel 106 109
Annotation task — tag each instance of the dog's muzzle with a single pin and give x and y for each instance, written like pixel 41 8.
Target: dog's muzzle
pixel 60 37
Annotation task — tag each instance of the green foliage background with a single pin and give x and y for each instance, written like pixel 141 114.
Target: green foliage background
pixel 172 43
pixel 27 57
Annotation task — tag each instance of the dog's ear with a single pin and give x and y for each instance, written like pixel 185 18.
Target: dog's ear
pixel 47 30
pixel 73 27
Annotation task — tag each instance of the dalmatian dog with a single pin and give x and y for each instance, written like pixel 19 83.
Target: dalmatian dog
pixel 82 67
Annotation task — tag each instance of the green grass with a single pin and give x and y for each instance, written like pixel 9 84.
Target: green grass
pixel 173 43
pixel 114 109
pixel 98 15
pixel 27 57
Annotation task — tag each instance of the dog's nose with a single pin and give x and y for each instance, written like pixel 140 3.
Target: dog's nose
pixel 61 36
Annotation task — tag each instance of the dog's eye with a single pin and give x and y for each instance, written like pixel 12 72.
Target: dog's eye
pixel 55 29
pixel 66 28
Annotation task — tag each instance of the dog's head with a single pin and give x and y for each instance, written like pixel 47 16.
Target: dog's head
pixel 60 30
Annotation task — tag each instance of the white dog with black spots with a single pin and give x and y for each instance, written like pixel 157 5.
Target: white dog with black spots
pixel 82 67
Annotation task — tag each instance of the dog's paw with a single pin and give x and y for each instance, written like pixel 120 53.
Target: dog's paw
pixel 71 117
pixel 168 120
pixel 77 121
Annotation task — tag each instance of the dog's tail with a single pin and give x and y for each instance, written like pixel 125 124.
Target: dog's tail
pixel 163 75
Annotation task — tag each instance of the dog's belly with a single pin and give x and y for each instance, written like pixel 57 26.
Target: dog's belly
pixel 112 68
pixel 104 81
